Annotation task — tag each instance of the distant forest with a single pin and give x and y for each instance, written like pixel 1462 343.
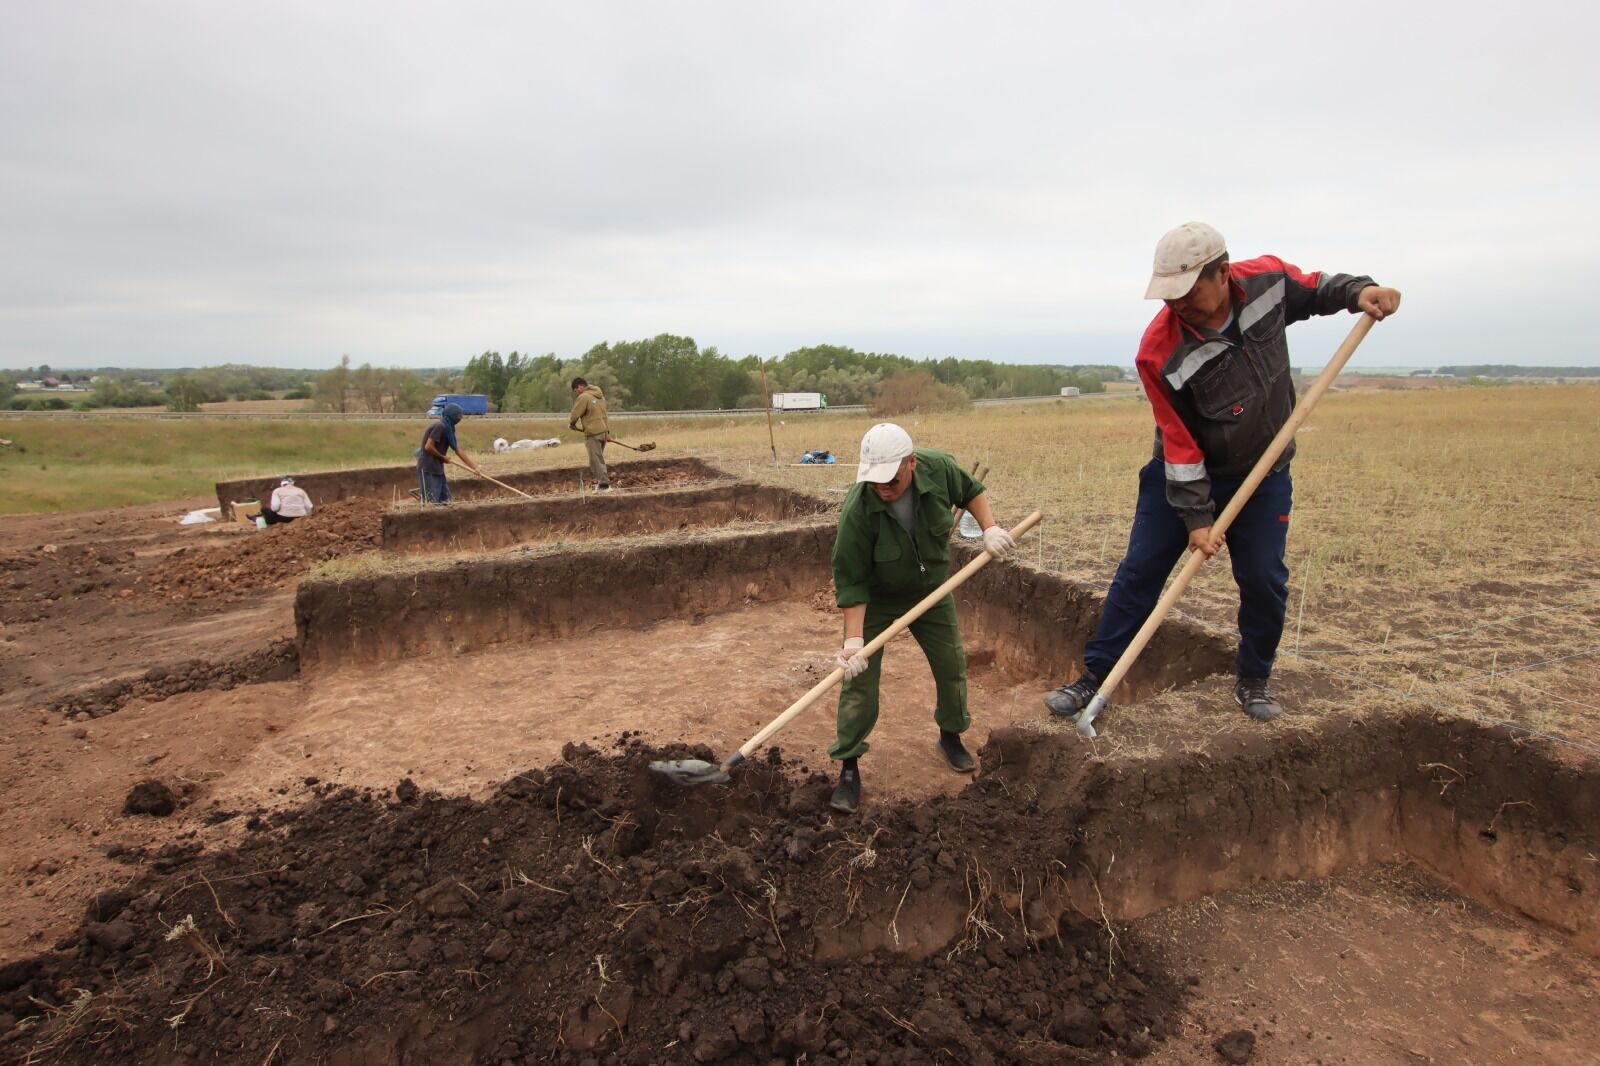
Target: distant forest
pixel 670 373
pixel 662 373
pixel 1500 370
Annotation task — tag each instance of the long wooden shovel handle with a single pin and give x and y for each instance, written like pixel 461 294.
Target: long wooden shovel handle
pixel 1241 497
pixel 486 477
pixel 895 628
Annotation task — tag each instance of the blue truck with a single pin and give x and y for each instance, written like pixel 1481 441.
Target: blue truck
pixel 472 403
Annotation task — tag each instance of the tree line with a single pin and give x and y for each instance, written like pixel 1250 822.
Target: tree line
pixel 177 389
pixel 1502 370
pixel 671 373
pixel 661 373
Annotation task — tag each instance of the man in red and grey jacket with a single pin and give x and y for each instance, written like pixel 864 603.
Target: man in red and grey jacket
pixel 1215 365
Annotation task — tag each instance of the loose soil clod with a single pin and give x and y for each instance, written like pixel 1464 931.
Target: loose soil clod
pixel 150 797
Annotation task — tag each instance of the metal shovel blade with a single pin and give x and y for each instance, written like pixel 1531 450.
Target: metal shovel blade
pixel 691 772
pixel 1090 713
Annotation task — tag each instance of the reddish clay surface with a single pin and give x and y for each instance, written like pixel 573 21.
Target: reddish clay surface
pixel 83 627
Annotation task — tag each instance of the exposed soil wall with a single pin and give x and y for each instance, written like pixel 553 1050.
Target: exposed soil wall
pixel 1509 820
pixel 540 596
pixel 1509 823
pixel 1037 622
pixel 394 482
pixel 503 523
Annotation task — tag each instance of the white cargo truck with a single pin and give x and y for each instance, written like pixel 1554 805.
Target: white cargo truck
pixel 1069 391
pixel 799 401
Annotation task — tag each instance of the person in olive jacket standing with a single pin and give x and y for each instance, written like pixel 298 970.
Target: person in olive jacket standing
pixel 589 418
pixel 892 549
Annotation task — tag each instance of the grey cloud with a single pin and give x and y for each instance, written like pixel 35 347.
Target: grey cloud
pixel 185 183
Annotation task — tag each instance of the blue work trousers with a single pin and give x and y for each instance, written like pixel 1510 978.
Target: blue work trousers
pixel 1256 542
pixel 435 489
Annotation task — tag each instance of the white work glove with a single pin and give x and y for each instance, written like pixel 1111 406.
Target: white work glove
pixel 849 660
pixel 998 543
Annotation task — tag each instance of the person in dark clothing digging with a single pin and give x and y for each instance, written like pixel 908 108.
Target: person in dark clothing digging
pixel 1215 365
pixel 437 442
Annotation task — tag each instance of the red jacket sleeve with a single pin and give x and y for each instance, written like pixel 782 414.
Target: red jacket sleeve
pixel 1188 483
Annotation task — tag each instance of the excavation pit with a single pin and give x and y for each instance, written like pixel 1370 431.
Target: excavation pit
pixel 650 616
pixel 592 909
pixel 455 906
pixel 1031 625
pixel 397 482
pixel 502 523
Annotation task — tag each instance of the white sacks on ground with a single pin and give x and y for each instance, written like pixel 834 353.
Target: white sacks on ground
pixel 501 445
pixel 200 517
pixel 525 443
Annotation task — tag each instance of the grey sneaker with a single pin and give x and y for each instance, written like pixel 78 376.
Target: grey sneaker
pixel 1254 694
pixel 1068 700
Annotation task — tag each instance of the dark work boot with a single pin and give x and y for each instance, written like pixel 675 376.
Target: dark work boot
pixel 1254 694
pixel 1068 700
pixel 955 753
pixel 847 793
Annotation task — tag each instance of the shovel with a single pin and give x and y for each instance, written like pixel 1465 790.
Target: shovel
pixel 647 446
pixel 1197 558
pixel 486 477
pixel 700 772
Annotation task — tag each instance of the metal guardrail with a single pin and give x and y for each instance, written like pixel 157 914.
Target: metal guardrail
pixel 513 416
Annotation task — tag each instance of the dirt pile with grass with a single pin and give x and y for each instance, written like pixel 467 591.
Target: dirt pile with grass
pixel 276 556
pixel 593 912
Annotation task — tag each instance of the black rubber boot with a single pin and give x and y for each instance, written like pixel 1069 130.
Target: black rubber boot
pixel 1068 700
pixel 847 793
pixel 955 753
pixel 1254 694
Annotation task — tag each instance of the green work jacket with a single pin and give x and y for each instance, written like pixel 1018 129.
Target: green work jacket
pixel 874 559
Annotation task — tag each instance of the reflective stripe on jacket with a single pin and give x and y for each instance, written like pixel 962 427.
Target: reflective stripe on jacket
pixel 1219 402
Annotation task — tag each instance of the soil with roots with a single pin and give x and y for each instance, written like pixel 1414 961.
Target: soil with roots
pixel 594 912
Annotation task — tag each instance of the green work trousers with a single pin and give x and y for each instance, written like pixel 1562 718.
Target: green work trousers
pixel 939 633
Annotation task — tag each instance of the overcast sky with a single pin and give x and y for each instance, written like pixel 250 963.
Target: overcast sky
pixel 283 182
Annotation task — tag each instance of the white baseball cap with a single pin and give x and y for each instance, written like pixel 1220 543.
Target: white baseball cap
pixel 881 451
pixel 1180 256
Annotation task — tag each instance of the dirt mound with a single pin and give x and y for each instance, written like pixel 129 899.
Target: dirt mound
pixel 273 556
pixel 593 912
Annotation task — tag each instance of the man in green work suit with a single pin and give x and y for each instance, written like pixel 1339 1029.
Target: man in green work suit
pixel 893 548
